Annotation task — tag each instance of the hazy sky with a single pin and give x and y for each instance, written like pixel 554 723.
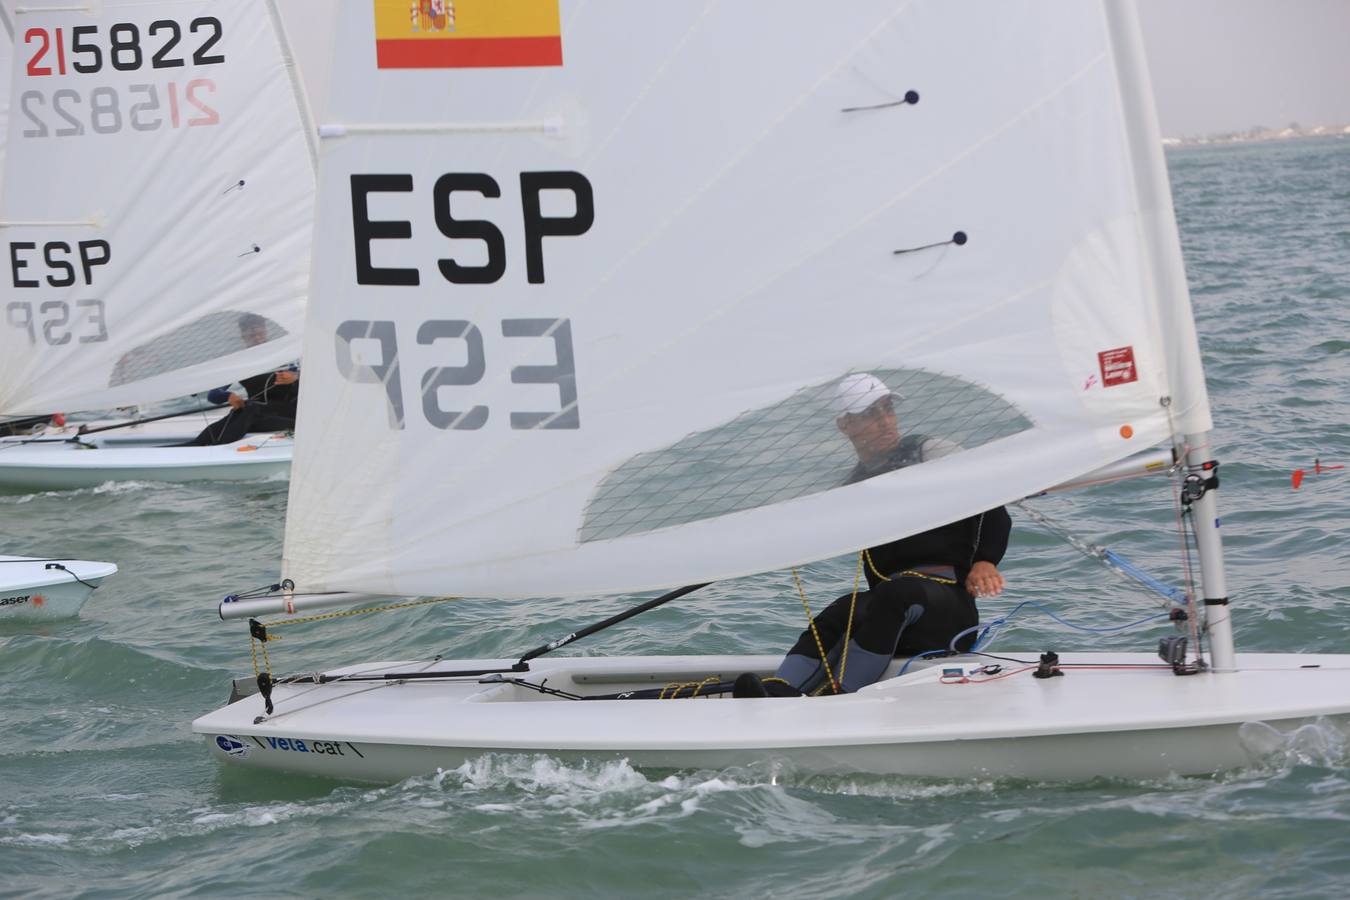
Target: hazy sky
pixel 1218 65
pixel 1226 65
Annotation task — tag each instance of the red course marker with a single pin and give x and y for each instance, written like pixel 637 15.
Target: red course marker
pixel 1317 469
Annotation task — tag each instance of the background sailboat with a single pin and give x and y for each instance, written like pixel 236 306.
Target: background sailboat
pixel 677 248
pixel 6 56
pixel 37 588
pixel 158 200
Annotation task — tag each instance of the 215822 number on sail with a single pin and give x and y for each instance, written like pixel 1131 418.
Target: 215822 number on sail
pixel 65 112
pixel 123 49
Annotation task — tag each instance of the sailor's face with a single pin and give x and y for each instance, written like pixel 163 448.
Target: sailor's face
pixel 872 431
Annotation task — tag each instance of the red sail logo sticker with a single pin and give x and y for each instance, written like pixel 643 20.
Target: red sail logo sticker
pixel 467 34
pixel 1117 366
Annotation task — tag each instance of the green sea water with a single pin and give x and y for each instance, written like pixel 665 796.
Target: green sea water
pixel 104 792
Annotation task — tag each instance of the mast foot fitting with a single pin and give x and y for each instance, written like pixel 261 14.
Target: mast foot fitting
pixel 1172 650
pixel 1049 667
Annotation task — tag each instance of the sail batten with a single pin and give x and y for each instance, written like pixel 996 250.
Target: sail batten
pixel 610 358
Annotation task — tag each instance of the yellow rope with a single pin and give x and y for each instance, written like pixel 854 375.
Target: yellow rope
pixel 253 642
pixel 873 566
pixel 253 650
pixel 848 630
pixel 865 555
pixel 704 683
pixel 907 573
pixel 675 687
pixel 811 621
pixel 358 612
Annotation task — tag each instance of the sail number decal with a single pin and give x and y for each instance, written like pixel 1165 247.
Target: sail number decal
pixel 368 353
pixel 368 350
pixel 108 109
pixel 59 265
pixel 86 51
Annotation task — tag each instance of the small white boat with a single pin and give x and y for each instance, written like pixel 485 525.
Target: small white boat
pixel 1110 714
pixel 65 464
pixel 34 588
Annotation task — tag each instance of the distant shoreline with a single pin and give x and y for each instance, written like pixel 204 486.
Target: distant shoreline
pixel 1260 135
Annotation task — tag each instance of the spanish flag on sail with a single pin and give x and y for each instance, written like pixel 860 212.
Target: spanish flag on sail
pixel 467 34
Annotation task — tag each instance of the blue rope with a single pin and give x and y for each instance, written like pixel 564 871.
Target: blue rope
pixel 985 630
pixel 984 637
pixel 1176 595
pixel 917 656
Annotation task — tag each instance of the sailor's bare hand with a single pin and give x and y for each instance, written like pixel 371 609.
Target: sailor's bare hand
pixel 236 402
pixel 984 580
pixel 287 376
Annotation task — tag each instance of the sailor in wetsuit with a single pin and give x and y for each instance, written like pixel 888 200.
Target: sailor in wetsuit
pixel 921 589
pixel 269 400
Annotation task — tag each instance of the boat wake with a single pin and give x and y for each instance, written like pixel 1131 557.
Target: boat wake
pixel 110 488
pixel 1321 743
pixel 601 794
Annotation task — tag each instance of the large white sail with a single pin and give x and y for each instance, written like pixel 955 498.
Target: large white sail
pixel 591 276
pixel 157 204
pixel 6 59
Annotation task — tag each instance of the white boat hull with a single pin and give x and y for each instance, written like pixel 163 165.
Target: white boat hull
pixel 31 591
pixel 1138 721
pixel 62 465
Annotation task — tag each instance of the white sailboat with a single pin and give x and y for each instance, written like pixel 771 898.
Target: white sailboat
pixel 34 588
pixel 157 213
pixel 589 276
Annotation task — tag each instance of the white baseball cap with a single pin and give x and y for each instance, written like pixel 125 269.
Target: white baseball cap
pixel 855 393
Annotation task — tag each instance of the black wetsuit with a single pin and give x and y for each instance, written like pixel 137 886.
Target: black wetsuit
pixel 902 615
pixel 270 407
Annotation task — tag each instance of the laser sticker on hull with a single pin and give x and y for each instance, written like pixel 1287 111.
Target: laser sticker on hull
pixel 35 600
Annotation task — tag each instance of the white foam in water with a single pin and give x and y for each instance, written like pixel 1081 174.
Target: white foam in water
pixel 1320 743
pixel 39 839
pixel 133 837
pixel 107 487
pixel 257 816
pixel 126 487
pixel 541 774
pixel 598 794
pixel 552 783
pixel 887 787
